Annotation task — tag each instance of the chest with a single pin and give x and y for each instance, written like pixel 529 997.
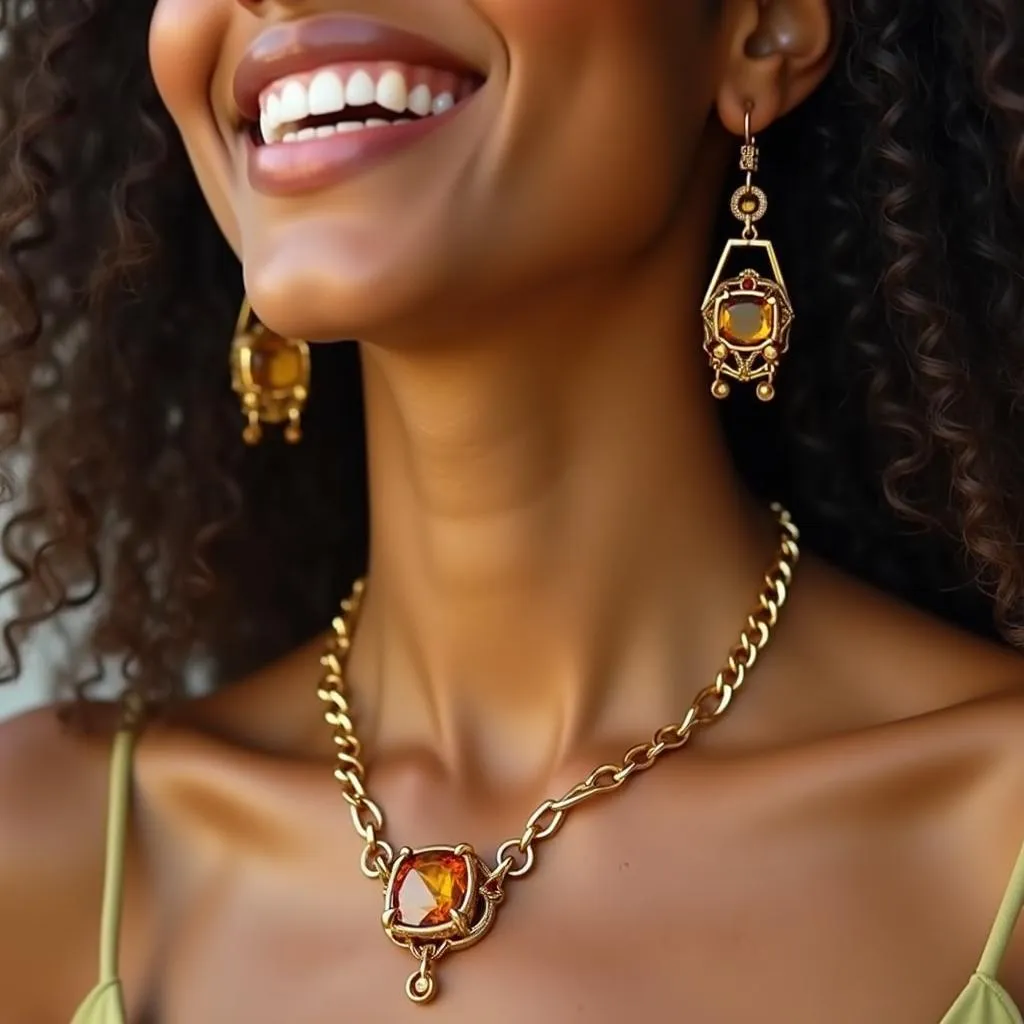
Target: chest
pixel 613 923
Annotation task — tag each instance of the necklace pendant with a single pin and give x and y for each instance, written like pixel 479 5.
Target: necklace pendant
pixel 437 900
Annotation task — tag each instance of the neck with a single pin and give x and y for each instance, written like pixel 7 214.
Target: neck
pixel 561 554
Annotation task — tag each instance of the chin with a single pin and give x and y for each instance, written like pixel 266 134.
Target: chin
pixel 328 301
pixel 322 275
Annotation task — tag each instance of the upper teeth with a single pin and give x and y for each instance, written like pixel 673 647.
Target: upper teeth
pixel 419 91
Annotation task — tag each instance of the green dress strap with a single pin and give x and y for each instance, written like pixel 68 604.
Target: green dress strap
pixel 1006 920
pixel 105 1004
pixel 984 1000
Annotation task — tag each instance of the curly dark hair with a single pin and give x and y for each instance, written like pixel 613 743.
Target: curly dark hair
pixel 897 439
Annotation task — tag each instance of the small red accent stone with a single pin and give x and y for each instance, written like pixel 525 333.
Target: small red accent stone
pixel 748 284
pixel 428 887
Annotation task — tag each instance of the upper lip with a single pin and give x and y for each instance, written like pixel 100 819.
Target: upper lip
pixel 290 48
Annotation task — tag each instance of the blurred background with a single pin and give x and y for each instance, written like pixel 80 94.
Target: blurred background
pixel 31 690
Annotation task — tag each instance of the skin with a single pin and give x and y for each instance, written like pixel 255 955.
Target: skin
pixel 562 557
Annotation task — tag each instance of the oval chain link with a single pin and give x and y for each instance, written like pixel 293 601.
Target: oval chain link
pixel 516 857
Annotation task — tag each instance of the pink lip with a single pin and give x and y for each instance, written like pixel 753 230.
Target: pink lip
pixel 292 168
pixel 294 47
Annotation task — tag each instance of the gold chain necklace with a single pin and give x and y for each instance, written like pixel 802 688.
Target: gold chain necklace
pixel 440 899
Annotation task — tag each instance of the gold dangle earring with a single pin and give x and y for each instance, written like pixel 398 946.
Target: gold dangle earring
pixel 747 318
pixel 270 374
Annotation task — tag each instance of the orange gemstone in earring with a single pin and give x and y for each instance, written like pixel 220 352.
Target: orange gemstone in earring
pixel 271 375
pixel 275 363
pixel 746 321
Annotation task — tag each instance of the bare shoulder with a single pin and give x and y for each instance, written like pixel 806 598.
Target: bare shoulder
pixel 918 703
pixel 53 786
pixel 990 825
pixel 42 759
pixel 884 660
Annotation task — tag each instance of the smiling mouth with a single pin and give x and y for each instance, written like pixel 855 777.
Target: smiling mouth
pixel 325 99
pixel 356 96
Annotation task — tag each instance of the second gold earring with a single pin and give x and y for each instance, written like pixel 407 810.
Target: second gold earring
pixel 747 318
pixel 270 375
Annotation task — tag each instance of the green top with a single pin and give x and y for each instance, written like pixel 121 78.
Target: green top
pixel 105 1004
pixel 983 1001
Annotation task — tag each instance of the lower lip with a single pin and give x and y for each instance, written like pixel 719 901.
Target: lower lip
pixel 291 168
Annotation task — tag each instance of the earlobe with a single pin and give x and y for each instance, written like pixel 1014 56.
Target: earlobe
pixel 780 52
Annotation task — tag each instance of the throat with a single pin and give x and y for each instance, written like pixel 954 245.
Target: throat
pixel 545 578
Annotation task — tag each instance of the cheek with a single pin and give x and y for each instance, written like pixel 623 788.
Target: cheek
pixel 186 39
pixel 184 42
pixel 607 100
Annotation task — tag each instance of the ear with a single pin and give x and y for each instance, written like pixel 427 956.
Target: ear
pixel 779 51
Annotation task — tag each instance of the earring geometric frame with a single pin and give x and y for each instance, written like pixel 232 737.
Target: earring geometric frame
pixel 747 320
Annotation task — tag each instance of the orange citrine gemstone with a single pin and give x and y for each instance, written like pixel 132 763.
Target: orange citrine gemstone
pixel 275 364
pixel 429 886
pixel 746 320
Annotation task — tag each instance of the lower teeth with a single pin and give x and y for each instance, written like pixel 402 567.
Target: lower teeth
pixel 344 127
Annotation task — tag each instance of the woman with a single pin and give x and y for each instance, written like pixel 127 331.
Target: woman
pixel 517 207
